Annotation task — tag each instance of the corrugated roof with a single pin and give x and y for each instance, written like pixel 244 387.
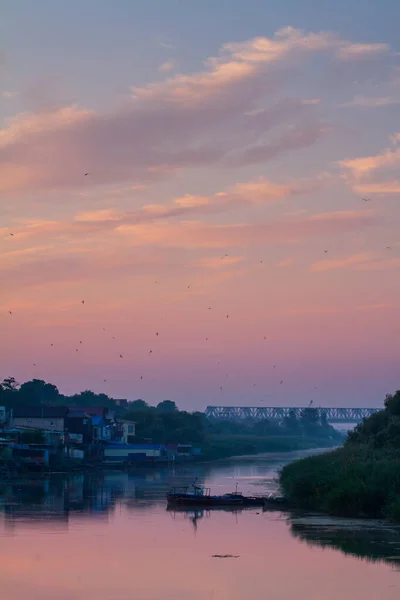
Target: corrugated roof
pixel 93 411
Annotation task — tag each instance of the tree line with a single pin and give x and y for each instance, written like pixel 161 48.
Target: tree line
pixel 165 423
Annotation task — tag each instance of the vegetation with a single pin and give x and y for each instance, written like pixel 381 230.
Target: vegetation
pixel 362 479
pixel 164 423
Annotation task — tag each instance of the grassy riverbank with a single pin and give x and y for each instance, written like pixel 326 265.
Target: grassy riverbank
pixel 224 446
pixel 362 479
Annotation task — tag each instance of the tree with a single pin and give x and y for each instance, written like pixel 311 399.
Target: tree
pixel 324 420
pixel 291 422
pixel 392 404
pixel 310 421
pixel 166 406
pixel 10 384
pixel 89 398
pixel 37 392
pixel 138 405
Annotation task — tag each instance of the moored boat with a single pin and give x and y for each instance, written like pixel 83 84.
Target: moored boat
pixel 275 502
pixel 201 496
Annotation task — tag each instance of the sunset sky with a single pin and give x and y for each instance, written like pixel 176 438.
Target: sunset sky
pixel 196 173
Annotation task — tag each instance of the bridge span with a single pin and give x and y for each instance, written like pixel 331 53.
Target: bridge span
pixel 278 413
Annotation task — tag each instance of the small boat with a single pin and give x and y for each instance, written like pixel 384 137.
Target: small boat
pixel 201 496
pixel 275 501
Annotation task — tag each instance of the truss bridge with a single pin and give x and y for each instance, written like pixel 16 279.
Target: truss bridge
pixel 278 413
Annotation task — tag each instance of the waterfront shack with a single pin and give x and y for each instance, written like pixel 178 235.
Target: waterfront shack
pixel 124 454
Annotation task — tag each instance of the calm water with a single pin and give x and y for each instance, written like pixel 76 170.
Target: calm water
pixel 110 538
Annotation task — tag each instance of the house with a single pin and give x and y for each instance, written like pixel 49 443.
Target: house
pixel 50 418
pixel 101 429
pixel 121 402
pixel 127 431
pixel 119 453
pixel 78 427
pixel 102 421
pixel 180 452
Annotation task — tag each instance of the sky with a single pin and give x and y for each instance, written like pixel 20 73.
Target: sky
pixel 199 201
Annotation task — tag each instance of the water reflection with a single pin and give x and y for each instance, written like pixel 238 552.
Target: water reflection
pixel 109 536
pixel 374 542
pixel 56 498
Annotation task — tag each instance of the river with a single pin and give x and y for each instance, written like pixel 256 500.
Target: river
pixel 109 537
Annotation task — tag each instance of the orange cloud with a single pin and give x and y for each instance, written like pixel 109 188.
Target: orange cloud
pixel 375 174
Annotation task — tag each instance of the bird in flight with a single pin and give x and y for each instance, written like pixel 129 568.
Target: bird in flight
pixel 189 286
pixel 206 339
pixel 105 380
pixel 10 312
pixel 221 388
pixel 12 235
pixel 83 302
pixel 326 251
pixel 227 316
pixel 121 356
pixel 141 377
pixel 80 342
pixel 51 344
pixel 367 199
pixel 223 256
pixel 151 352
pixel 86 174
pixel 157 333
pixel 76 350
pixel 274 366
pixel 34 364
pixel 389 248
pixel 281 382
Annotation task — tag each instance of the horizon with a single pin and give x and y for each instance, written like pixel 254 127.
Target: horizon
pixel 202 204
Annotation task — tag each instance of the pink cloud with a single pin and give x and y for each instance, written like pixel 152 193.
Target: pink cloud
pixel 218 262
pixel 363 261
pixel 188 120
pixel 349 51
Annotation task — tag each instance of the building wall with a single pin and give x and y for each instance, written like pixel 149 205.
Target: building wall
pixel 128 431
pixel 57 424
pixel 116 453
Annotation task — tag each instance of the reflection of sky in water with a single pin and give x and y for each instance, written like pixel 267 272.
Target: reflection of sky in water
pixel 111 538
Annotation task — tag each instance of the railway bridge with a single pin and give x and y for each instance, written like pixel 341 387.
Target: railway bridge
pixel 278 413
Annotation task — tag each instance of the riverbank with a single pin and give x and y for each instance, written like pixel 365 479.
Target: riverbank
pixel 348 482
pixel 227 446
pixel 362 479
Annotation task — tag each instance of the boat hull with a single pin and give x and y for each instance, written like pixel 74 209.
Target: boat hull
pixel 203 501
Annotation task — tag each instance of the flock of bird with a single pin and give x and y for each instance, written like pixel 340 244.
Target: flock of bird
pixel 225 255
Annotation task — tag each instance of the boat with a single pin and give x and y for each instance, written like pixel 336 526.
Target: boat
pixel 272 501
pixel 197 495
